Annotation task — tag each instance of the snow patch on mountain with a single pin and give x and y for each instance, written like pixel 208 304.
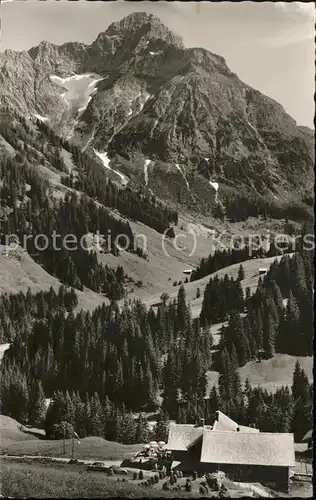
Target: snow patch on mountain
pixel 106 163
pixel 146 97
pixel 137 103
pixel 147 162
pixel 153 127
pixel 214 185
pixel 79 89
pixel 80 110
pixel 3 349
pixel 94 82
pixel 132 103
pixel 41 118
pixel 183 175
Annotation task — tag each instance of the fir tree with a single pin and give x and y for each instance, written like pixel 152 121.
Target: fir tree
pixel 161 428
pixel 241 273
pixel 142 430
pixel 37 402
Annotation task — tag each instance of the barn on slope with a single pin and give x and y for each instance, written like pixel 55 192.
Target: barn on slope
pixel 244 453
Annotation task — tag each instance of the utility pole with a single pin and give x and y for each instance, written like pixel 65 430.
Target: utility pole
pixel 64 434
pixel 73 446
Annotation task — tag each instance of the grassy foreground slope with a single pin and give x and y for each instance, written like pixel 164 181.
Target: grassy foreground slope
pixel 58 481
pixel 42 480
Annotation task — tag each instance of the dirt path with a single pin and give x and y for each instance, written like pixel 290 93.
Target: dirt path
pixel 107 463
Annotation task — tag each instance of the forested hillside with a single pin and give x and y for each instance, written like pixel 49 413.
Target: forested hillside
pixel 136 359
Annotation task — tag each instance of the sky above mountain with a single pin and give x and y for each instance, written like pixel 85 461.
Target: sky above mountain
pixel 269 45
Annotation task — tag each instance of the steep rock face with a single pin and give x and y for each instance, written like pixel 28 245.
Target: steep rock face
pixel 155 99
pixel 61 60
pixel 22 87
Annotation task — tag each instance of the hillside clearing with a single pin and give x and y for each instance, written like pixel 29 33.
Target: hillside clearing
pixel 10 431
pixel 275 372
pixel 269 374
pixel 18 272
pixel 251 268
pixel 167 260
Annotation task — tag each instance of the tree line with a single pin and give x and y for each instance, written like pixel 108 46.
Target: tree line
pixel 229 256
pixel 221 298
pixel 135 359
pixel 239 206
pixel 19 310
pixel 34 212
pixel 288 409
pixel 279 314
pixel 118 353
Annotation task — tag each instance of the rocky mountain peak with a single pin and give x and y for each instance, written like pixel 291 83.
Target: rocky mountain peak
pixel 148 24
pixel 158 100
pixel 44 47
pixel 207 61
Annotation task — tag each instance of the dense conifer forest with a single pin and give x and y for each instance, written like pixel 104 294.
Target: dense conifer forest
pixel 279 314
pixel 130 360
pixel 225 257
pixel 39 214
pixel 29 207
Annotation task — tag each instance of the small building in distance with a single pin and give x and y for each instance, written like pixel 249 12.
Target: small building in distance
pixel 187 271
pixel 243 453
pixel 262 270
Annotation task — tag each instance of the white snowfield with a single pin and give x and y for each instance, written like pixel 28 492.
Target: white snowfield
pixel 183 175
pixel 3 349
pixel 146 97
pixel 132 102
pixel 106 162
pixel 147 162
pixel 80 110
pixel 214 185
pixel 79 89
pixel 41 118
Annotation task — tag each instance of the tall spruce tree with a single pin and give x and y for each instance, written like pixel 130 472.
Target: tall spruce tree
pixel 37 404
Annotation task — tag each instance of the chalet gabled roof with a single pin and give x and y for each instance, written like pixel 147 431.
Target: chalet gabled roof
pixel 261 448
pixel 223 426
pixel 224 423
pixel 183 436
pixel 308 435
